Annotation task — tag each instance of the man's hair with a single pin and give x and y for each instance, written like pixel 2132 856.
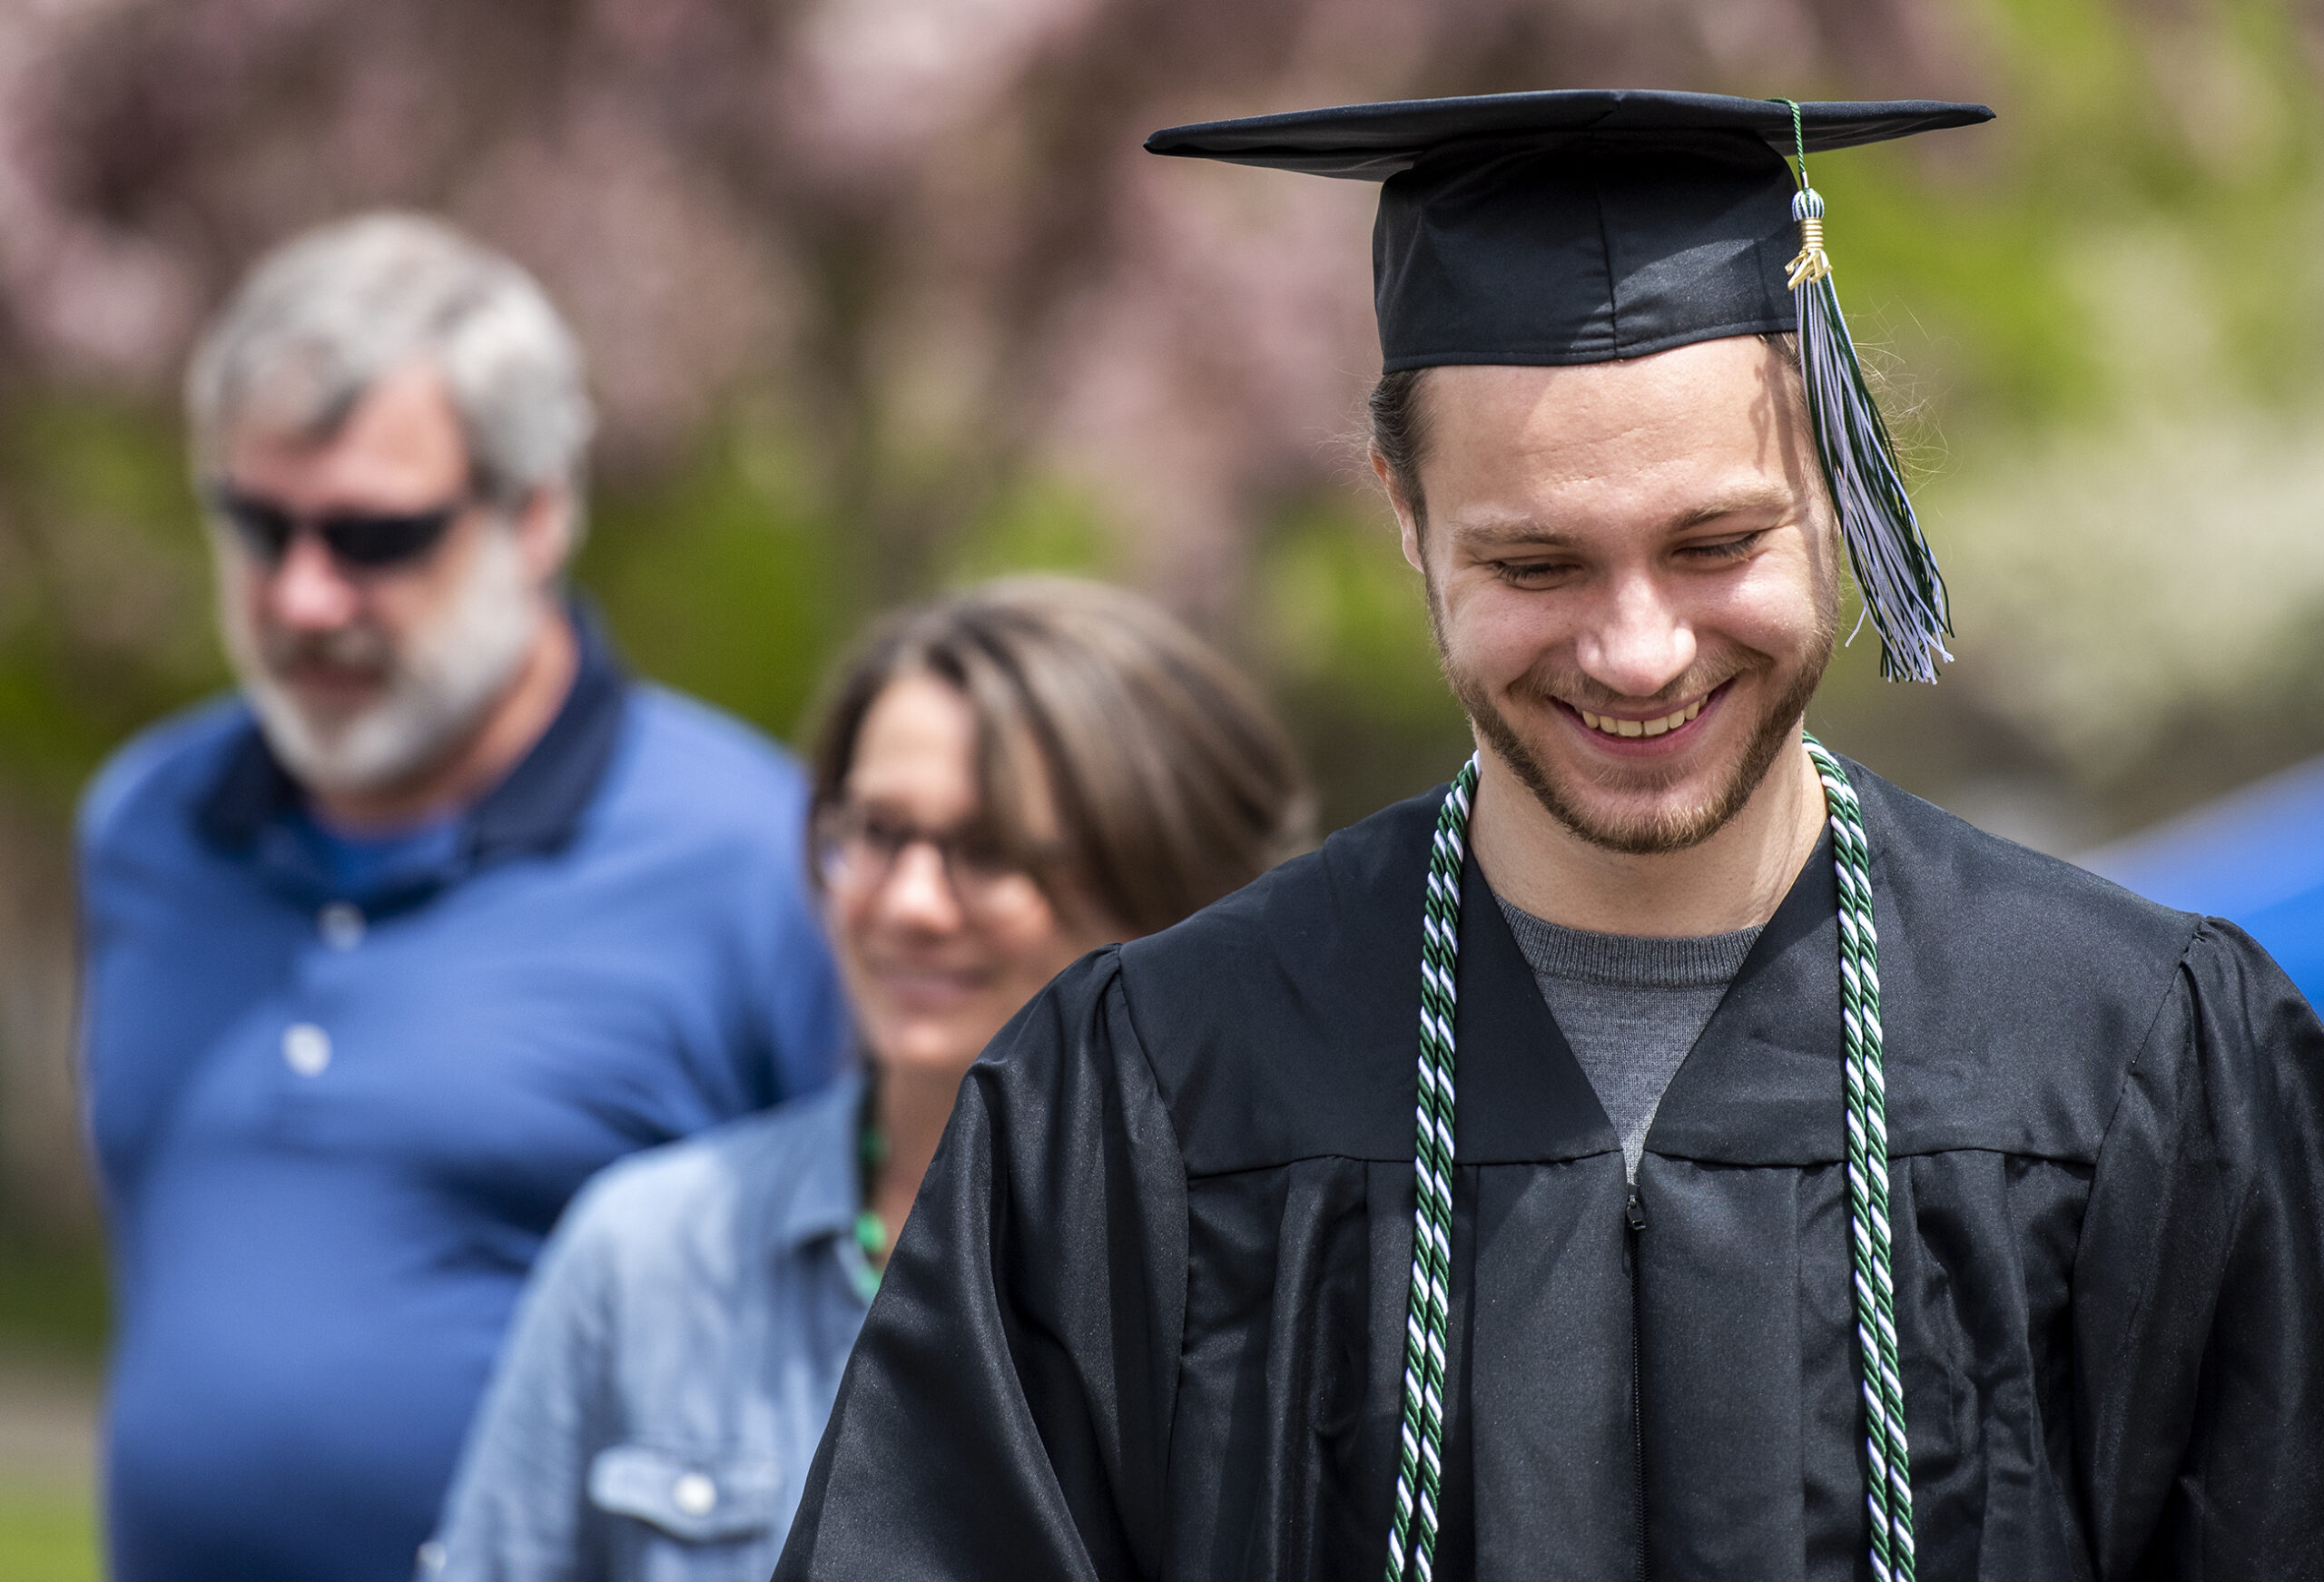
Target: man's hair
pixel 1400 433
pixel 323 317
pixel 1172 782
pixel 1400 423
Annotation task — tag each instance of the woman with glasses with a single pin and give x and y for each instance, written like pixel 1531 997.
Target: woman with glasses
pixel 1004 780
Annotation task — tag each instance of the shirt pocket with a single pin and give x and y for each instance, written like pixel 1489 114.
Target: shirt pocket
pixel 695 1498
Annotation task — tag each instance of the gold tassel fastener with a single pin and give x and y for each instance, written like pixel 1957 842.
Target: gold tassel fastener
pixel 1811 262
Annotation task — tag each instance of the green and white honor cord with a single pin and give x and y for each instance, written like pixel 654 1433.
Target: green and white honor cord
pixel 1419 1467
pixel 1888 1471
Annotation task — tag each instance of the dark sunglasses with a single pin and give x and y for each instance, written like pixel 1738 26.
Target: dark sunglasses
pixel 370 540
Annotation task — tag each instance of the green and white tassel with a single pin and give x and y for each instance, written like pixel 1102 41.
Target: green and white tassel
pixel 1904 593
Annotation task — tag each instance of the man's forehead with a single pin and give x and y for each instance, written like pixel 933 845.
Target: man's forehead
pixel 399 436
pixel 297 401
pixel 1738 372
pixel 1716 404
pixel 409 405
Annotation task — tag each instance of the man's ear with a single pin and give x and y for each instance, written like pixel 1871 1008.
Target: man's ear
pixel 544 528
pixel 1407 524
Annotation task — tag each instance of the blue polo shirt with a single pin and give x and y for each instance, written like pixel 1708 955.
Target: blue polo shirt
pixel 339 1092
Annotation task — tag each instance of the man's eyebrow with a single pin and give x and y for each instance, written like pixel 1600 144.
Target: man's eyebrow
pixel 1743 502
pixel 1500 531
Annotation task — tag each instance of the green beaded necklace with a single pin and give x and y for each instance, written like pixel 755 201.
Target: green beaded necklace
pixel 871 1230
pixel 1888 1490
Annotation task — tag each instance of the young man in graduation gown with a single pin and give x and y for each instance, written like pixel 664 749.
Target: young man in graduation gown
pixel 1833 1191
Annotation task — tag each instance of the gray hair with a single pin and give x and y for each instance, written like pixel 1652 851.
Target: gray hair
pixel 327 315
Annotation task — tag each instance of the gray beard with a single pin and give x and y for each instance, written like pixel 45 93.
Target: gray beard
pixel 1664 831
pixel 440 685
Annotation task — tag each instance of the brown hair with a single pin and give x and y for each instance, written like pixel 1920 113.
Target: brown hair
pixel 1172 782
pixel 1400 433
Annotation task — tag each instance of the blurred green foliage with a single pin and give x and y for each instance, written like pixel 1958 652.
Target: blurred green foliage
pixel 53 1304
pixel 1035 524
pixel 723 579
pixel 53 1311
pixel 48 1535
pixel 103 619
pixel 1343 629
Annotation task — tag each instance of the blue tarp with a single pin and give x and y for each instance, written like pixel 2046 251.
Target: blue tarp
pixel 2254 857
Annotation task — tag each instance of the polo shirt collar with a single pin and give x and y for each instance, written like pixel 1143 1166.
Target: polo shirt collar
pixel 255 809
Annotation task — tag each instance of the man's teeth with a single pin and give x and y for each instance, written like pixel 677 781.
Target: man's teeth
pixel 1613 727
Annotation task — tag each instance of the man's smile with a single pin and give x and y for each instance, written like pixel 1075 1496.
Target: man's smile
pixel 1632 729
pixel 1608 725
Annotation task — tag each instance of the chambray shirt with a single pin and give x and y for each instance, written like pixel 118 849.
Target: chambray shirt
pixel 337 1099
pixel 673 1363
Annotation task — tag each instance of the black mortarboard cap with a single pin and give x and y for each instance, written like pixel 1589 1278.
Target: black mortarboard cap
pixel 1571 226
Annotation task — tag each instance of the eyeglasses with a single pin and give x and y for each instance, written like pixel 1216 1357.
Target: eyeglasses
pixel 857 849
pixel 360 540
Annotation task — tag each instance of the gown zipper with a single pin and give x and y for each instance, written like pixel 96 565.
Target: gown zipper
pixel 1634 1215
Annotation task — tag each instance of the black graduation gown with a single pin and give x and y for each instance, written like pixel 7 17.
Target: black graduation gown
pixel 1147 1319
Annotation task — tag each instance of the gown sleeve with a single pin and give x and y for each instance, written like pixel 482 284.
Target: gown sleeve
pixel 2199 1287
pixel 1007 1409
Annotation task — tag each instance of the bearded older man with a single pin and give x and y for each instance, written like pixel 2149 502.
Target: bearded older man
pixel 388 954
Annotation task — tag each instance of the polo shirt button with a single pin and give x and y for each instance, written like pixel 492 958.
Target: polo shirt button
pixel 340 925
pixel 306 1048
pixel 693 1493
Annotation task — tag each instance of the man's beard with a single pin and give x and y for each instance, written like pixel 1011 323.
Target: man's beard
pixel 1664 827
pixel 439 679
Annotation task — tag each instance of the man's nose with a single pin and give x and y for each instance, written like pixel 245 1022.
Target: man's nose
pixel 1640 644
pixel 307 590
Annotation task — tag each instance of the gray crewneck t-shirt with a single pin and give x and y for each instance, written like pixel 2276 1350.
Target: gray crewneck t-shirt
pixel 1630 1007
